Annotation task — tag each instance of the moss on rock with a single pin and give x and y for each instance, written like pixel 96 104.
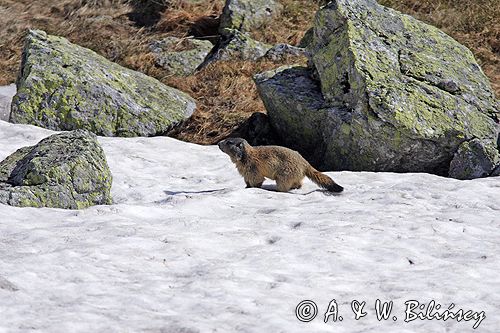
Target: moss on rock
pixel 67 170
pixel 62 86
pixel 413 95
pixel 181 56
pixel 237 45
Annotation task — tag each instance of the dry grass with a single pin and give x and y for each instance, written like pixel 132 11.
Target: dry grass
pixel 289 27
pixel 225 91
pixel 191 19
pixel 226 96
pixel 105 29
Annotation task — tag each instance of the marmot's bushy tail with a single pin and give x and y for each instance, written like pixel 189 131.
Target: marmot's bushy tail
pixel 323 180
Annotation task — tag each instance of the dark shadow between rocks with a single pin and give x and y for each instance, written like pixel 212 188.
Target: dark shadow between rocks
pixel 257 130
pixel 206 28
pixel 147 13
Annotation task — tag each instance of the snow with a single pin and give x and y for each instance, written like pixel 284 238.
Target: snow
pixel 186 248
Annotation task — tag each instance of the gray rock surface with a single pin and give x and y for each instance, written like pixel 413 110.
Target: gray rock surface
pixel 63 86
pixel 67 170
pixel 297 110
pixel 6 94
pixel 393 94
pixel 236 45
pixel 474 159
pixel 245 15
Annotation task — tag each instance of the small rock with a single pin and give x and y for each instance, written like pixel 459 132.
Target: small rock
pixel 235 45
pixel 181 56
pixel 474 159
pixel 257 130
pixel 67 170
pixel 246 15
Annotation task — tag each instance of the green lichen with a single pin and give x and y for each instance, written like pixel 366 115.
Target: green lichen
pixel 181 62
pixel 64 87
pixel 413 94
pixel 67 170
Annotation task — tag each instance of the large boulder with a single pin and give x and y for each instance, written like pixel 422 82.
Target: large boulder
pixel 67 170
pixel 63 86
pixel 392 94
pixel 246 15
pixel 180 56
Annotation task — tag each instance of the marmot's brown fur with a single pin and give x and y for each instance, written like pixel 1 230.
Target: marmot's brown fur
pixel 284 165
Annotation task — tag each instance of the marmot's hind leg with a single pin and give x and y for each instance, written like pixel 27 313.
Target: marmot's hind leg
pixel 297 185
pixel 255 181
pixel 283 184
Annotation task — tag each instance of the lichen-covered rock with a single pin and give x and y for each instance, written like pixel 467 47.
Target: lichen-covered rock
pixel 401 96
pixel 63 86
pixel 181 56
pixel 245 15
pixel 67 170
pixel 474 159
pixel 235 45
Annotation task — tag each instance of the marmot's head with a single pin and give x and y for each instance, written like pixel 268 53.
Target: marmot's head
pixel 234 147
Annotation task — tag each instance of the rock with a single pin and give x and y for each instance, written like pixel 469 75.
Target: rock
pixel 180 56
pixel 474 159
pixel 6 94
pixel 235 45
pixel 246 15
pixel 67 170
pixel 394 94
pixel 296 109
pixel 63 86
pixel 280 51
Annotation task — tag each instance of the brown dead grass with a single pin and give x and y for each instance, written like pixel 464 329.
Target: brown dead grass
pixel 191 19
pixel 289 27
pixel 225 91
pixel 226 96
pixel 105 29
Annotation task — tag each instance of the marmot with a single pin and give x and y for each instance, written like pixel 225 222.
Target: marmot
pixel 284 165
